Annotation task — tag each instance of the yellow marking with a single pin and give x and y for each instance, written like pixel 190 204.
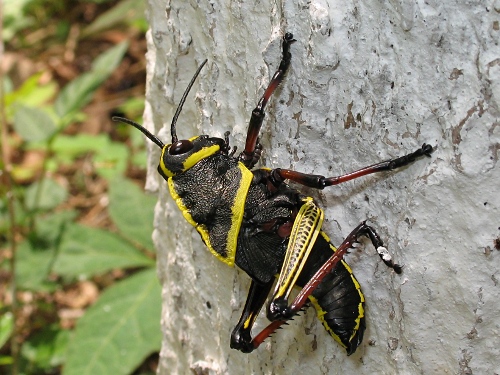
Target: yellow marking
pixel 305 230
pixel 202 229
pixel 248 321
pixel 327 239
pixel 163 167
pixel 321 316
pixel 237 210
pixel 190 160
pixel 361 311
pixel 205 152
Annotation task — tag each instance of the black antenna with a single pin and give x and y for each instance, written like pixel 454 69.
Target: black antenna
pixel 181 103
pixel 145 131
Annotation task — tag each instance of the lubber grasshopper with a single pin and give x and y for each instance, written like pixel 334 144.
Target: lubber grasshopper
pixel 253 219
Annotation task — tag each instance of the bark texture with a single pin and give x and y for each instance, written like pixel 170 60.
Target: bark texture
pixel 369 80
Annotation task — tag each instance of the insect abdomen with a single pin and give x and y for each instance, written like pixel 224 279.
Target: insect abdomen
pixel 339 303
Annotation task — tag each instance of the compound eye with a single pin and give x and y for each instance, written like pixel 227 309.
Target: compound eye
pixel 180 147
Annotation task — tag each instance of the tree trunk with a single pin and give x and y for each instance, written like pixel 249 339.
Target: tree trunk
pixel 369 80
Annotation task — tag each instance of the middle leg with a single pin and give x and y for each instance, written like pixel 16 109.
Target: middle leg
pixel 320 182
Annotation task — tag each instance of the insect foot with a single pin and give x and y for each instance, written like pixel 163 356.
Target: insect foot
pixel 278 309
pixel 241 340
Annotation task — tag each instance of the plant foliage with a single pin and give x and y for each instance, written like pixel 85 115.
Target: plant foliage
pixel 70 217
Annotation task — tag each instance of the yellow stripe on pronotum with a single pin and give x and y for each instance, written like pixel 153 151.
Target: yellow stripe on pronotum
pixel 237 211
pixel 191 160
pixel 204 153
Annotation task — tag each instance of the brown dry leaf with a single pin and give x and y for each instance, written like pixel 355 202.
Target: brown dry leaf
pixel 29 167
pixel 78 295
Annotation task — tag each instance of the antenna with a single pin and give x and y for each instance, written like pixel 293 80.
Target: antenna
pixel 145 131
pixel 181 103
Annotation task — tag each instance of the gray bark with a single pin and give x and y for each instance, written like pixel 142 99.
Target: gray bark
pixel 370 80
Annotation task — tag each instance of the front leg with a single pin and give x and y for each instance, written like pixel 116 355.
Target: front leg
pixel 241 337
pixel 248 156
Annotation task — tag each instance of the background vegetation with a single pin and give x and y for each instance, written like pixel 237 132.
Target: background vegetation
pixel 78 289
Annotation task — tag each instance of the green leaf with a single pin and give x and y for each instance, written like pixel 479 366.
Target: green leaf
pixel 6 327
pixel 70 147
pixel 46 349
pixel 111 161
pixel 107 62
pixel 76 94
pixel 28 86
pixel 36 255
pixel 139 159
pixel 31 93
pixel 132 211
pixel 110 157
pixel 133 107
pixel 33 266
pixel 14 17
pixel 85 252
pixel 33 124
pixel 44 195
pixel 20 214
pixel 120 330
pixel 79 92
pixel 124 11
pixel 39 94
pixel 6 360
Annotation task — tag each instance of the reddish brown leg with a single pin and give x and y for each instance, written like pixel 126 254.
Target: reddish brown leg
pixel 250 156
pixel 319 182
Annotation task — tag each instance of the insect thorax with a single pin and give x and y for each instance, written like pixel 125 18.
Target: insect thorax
pixel 211 195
